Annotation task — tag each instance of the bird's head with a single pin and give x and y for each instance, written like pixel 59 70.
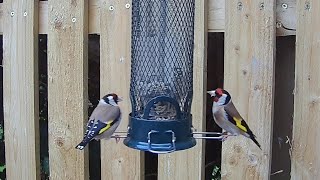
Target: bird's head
pixel 220 96
pixel 111 99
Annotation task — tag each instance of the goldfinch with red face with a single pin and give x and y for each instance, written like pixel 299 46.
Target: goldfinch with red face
pixel 103 121
pixel 227 117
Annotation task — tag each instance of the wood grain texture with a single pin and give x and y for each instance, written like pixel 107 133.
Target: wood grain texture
pixel 117 161
pixel 216 16
pixel 189 164
pixel 306 147
pixel 285 11
pixel 249 77
pixel 286 15
pixel 67 88
pixel 2 19
pixel 93 17
pixel 21 95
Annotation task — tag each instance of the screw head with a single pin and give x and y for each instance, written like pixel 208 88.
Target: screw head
pixel 12 13
pixel 111 8
pixel 307 6
pixel 284 6
pixel 25 14
pixel 128 5
pixel 239 5
pixel 74 19
pixel 261 6
pixel 279 25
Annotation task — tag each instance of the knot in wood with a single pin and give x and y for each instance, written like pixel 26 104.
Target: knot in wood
pixel 244 72
pixel 257 87
pixel 233 161
pixel 59 141
pixel 57 23
pixel 237 149
pixel 253 159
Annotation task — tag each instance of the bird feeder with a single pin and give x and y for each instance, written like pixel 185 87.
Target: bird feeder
pixel 161 75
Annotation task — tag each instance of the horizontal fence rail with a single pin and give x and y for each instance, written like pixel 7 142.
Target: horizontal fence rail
pixel 286 16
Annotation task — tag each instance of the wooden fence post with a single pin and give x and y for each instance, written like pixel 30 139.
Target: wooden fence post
pixel 67 88
pixel 21 95
pixel 249 77
pixel 117 160
pixel 189 164
pixel 306 124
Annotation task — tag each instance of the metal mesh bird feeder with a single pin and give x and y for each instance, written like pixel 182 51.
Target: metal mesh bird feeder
pixel 161 75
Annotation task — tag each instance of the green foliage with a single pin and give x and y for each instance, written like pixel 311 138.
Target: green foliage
pixel 2 168
pixel 216 173
pixel 45 165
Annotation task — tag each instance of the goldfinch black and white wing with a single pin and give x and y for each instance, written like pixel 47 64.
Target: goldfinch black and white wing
pixel 102 123
pixel 97 129
pixel 240 123
pixel 110 115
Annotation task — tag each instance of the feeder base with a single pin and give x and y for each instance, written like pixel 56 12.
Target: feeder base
pixel 160 136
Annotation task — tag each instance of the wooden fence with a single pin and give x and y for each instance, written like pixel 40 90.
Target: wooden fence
pixel 250 30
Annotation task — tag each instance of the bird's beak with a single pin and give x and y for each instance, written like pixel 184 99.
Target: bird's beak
pixel 120 99
pixel 212 93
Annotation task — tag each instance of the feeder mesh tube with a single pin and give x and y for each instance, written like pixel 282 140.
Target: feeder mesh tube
pixel 162 55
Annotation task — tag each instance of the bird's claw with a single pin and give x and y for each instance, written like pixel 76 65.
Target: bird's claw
pixel 117 138
pixel 224 136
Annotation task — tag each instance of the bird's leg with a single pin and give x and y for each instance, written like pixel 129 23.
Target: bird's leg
pixel 224 136
pixel 117 138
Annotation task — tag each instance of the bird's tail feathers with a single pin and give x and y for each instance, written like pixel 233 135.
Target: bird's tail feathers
pixel 81 145
pixel 253 138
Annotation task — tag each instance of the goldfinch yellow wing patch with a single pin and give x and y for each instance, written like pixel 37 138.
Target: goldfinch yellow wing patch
pixel 105 128
pixel 238 122
pixel 240 125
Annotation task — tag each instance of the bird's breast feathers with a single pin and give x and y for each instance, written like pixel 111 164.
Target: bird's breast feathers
pixel 221 119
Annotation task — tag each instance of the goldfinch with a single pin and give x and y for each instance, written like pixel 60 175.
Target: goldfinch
pixel 227 117
pixel 103 121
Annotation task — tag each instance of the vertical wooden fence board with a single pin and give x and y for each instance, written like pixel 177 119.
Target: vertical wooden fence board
pixel 249 77
pixel 93 17
pixel 117 160
pixel 67 88
pixel 306 125
pixel 21 95
pixel 189 164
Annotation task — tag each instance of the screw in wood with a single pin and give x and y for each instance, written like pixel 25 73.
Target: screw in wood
pixel 25 14
pixel 111 8
pixel 307 6
pixel 279 25
pixel 284 6
pixel 261 6
pixel 128 5
pixel 239 6
pixel 12 13
pixel 74 19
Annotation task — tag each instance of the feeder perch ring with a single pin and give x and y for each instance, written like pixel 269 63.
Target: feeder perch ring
pixel 171 149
